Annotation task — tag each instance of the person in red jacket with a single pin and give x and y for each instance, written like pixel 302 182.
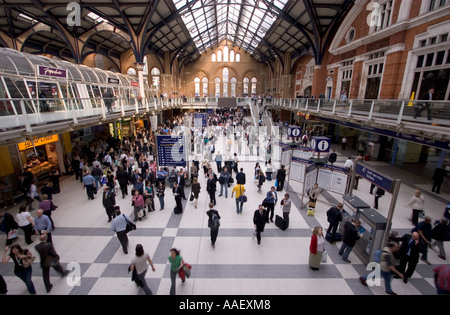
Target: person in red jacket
pixel 316 248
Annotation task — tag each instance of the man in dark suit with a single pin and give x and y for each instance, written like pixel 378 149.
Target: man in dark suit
pixel 211 188
pixel 122 178
pixel 334 216
pixel 428 97
pixel 49 258
pixel 260 218
pixel 409 254
pixel 213 222
pixel 181 182
pixel 178 191
pixel 281 176
pixel 438 178
pixel 109 202
pixel 240 177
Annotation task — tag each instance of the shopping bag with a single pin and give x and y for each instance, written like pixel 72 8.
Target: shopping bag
pixel 324 257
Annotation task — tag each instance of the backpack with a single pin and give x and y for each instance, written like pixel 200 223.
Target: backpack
pixel 215 220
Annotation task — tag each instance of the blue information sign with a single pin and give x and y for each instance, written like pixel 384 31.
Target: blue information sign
pixel 374 177
pixel 170 150
pixel 294 131
pixel 320 144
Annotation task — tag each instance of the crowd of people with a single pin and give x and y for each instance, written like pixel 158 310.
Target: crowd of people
pixel 120 167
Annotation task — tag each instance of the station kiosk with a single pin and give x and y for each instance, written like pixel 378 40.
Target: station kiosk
pixel 350 211
pixel 373 227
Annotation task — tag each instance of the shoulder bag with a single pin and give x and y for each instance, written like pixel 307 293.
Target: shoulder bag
pixel 130 225
pixel 26 262
pixel 242 197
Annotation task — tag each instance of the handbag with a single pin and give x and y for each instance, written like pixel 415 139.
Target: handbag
pixel 187 269
pixel 242 198
pixel 191 198
pixel 26 262
pixel 312 204
pixel 13 234
pixel 130 225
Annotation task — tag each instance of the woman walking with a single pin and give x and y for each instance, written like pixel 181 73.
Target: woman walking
pixel 138 203
pixel 316 248
pixel 195 189
pixel 19 255
pixel 177 263
pixel 160 194
pixel 139 268
pixel 26 223
pixel 149 197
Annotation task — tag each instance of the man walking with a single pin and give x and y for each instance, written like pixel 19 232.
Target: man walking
pixel 109 202
pixel 43 225
pixel 281 177
pixel 211 188
pixel 260 218
pixel 334 216
pixel 409 254
pixel 438 178
pixel 49 258
pixel 428 97
pixel 119 225
pixel 271 198
pixel 239 190
pixel 349 239
pixel 213 223
pixel 178 193
pixel 88 184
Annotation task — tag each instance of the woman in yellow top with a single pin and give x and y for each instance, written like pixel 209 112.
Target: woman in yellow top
pixel 239 190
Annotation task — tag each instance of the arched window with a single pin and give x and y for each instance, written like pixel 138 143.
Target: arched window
pixel 225 54
pixel 254 81
pixel 217 87
pixel 219 56
pixel 131 71
pixel 197 86
pixel 232 55
pixel 233 87
pixel 155 73
pixel 213 57
pixel 225 77
pixel 238 57
pixel 245 88
pixel 205 87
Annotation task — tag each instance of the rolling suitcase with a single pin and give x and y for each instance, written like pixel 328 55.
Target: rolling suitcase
pixel 280 222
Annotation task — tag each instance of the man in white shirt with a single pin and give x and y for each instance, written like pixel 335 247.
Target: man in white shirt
pixel 349 163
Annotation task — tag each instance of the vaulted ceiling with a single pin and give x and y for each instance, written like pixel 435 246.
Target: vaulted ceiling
pixel 263 28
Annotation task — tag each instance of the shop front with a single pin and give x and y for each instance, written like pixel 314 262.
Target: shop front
pixel 40 155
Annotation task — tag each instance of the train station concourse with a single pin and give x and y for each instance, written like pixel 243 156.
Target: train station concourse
pixel 158 112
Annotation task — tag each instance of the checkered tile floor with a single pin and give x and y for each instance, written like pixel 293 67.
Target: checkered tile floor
pixel 236 265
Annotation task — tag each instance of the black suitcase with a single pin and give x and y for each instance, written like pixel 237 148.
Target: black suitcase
pixel 280 222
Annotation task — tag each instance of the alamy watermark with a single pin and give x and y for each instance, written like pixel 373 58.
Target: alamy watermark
pixel 74 17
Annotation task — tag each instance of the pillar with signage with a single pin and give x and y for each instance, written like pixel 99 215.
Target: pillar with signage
pixel 375 227
pixel 140 69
